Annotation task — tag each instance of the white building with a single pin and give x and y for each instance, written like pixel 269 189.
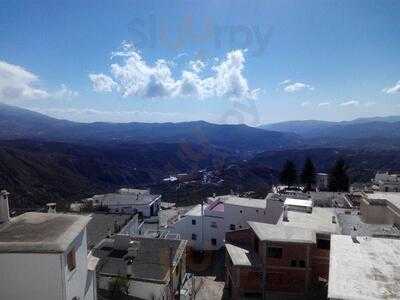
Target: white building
pixel 387 182
pixel 205 225
pixel 321 181
pixel 129 201
pixel 43 256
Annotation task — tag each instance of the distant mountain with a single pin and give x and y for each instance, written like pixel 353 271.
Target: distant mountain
pixel 378 132
pixel 17 123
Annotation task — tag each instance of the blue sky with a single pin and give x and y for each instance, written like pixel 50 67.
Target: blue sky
pixel 221 61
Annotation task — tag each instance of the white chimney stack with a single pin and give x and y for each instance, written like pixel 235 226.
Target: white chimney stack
pixel 51 208
pixel 4 208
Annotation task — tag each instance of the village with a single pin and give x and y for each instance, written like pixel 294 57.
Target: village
pixel 294 244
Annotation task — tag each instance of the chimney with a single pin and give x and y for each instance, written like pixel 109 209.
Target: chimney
pixel 51 208
pixel 285 215
pixel 4 208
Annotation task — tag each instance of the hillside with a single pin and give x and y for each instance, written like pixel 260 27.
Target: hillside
pixel 39 172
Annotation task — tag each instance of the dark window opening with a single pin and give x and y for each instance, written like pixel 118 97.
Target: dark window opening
pixel 293 263
pixel 232 227
pixel 71 260
pixel 214 242
pixel 323 244
pixel 302 264
pixel 274 252
pixel 194 237
pixel 193 222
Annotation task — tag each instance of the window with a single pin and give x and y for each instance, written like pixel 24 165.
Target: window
pixel 214 224
pixel 193 222
pixel 256 210
pixel 241 211
pixel 256 245
pixel 214 242
pixel 232 227
pixel 240 226
pixel 274 252
pixel 302 264
pixel 323 244
pixel 71 261
pixel 194 237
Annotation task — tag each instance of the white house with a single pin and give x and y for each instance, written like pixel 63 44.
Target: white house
pixel 205 225
pixel 129 201
pixel 387 182
pixel 43 256
pixel 202 226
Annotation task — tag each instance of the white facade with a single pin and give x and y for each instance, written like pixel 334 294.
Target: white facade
pixel 205 229
pixel 43 273
pixel 387 182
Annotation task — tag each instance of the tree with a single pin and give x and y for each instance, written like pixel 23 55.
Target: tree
pixel 338 181
pixel 308 174
pixel 288 174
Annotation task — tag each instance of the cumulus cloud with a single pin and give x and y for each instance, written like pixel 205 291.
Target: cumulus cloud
pixel 297 87
pixel 102 83
pixel 132 76
pixel 322 104
pixel 350 103
pixel 65 93
pixel 285 82
pixel 197 65
pixel 16 83
pixel 393 89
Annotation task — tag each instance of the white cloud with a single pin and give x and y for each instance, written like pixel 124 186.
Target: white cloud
pixel 197 65
pixel 134 77
pixel 322 104
pixel 65 93
pixel 350 103
pixel 16 83
pixel 102 83
pixel 393 90
pixel 297 87
pixel 306 104
pixel 285 82
pixel 369 104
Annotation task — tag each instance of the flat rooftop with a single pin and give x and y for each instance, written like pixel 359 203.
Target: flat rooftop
pixel 238 256
pixel 280 233
pixel 367 268
pixel 126 198
pixel 298 202
pixel 245 202
pixel 151 264
pixel 352 224
pixel 319 220
pixel 41 232
pixel 393 198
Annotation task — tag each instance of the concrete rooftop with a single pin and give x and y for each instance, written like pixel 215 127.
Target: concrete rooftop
pixel 280 233
pixel 41 232
pixel 238 256
pixel 367 268
pixel 393 198
pixel 319 220
pixel 245 202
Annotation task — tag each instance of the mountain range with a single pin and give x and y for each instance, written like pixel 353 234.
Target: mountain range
pixel 45 159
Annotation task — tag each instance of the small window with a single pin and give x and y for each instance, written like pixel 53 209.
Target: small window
pixel 193 222
pixel 293 263
pixel 241 211
pixel 214 224
pixel 240 226
pixel 256 210
pixel 194 237
pixel 302 264
pixel 323 244
pixel 71 260
pixel 232 227
pixel 274 252
pixel 214 242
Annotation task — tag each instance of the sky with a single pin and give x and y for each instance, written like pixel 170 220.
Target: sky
pixel 250 62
